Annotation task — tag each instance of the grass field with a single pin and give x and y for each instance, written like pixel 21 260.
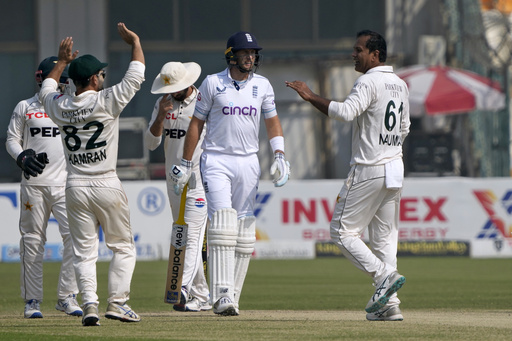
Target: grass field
pixel 321 299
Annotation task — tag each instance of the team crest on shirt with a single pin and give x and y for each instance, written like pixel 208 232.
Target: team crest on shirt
pixel 221 90
pixel 255 91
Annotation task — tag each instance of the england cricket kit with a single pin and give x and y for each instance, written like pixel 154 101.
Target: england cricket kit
pixel 176 123
pixel 232 111
pixel 378 107
pixel 89 124
pixel 40 196
pixel 231 171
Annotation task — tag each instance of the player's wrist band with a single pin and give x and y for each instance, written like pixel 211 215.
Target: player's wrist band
pixel 186 163
pixel 277 144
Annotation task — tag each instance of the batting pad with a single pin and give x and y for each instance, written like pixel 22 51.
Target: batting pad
pixel 222 236
pixel 243 251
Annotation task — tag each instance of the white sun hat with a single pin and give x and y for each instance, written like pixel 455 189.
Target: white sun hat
pixel 175 76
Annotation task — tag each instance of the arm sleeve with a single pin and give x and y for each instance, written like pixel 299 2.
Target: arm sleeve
pixel 152 141
pixel 204 101
pixel 357 102
pixel 268 107
pixel 15 131
pixel 118 96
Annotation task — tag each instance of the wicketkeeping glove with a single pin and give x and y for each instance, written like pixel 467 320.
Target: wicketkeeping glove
pixel 180 174
pixel 31 163
pixel 280 170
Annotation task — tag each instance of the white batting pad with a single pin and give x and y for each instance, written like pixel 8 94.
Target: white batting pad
pixel 243 251
pixel 222 235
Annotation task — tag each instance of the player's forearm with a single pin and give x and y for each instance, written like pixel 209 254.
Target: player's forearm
pixel 192 138
pixel 158 125
pixel 57 70
pixel 137 53
pixel 322 104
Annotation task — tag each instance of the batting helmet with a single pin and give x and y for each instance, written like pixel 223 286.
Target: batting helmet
pixel 240 41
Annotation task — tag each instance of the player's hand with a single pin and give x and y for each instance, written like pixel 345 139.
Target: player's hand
pixel 30 163
pixel 128 36
pixel 302 89
pixel 180 174
pixel 280 169
pixel 66 53
pixel 165 105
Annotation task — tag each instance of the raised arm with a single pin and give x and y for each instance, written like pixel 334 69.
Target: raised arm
pixel 132 39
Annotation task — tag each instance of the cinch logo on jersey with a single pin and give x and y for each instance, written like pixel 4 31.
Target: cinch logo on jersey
pixel 84 158
pixel 175 133
pixel 234 110
pixel 500 214
pixel 200 202
pixel 261 200
pixel 44 131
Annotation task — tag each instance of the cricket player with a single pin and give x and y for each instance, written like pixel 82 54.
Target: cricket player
pixel 378 107
pixel 231 103
pixel 89 125
pixel 171 117
pixel 33 140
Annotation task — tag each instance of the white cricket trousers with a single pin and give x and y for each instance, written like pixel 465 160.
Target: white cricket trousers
pixel 103 203
pixel 364 201
pixel 230 181
pixel 37 203
pixel 196 216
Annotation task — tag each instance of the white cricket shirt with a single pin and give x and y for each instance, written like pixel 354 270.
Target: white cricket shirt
pixel 232 112
pixel 89 123
pixel 378 107
pixel 31 128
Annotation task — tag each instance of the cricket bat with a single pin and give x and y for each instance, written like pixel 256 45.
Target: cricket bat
pixel 177 255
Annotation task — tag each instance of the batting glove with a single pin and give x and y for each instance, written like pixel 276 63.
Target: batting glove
pixel 280 170
pixel 31 163
pixel 180 174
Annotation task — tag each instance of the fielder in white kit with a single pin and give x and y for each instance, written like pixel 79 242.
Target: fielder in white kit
pixel 232 103
pixel 33 140
pixel 171 116
pixel 89 125
pixel 378 107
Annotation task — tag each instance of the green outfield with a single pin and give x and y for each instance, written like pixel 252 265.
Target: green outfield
pixel 323 299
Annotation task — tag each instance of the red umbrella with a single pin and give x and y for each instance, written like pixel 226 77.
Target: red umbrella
pixel 435 90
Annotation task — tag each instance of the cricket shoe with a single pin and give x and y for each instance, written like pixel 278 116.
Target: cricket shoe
pixel 388 313
pixel 121 312
pixel 196 305
pixel 90 315
pixel 391 284
pixel 225 307
pixel 184 297
pixel 32 310
pixel 69 305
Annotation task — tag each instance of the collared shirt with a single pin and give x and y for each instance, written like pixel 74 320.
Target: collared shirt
pixel 31 128
pixel 89 123
pixel 232 112
pixel 378 107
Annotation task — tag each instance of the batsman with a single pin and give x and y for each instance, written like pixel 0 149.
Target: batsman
pixel 231 104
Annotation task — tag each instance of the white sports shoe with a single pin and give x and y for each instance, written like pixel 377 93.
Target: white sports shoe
pixel 121 312
pixel 388 313
pixel 391 284
pixel 224 306
pixel 196 305
pixel 69 305
pixel 90 315
pixel 184 297
pixel 32 310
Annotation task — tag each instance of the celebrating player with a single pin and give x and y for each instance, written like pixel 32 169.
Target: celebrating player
pixel 89 125
pixel 232 102
pixel 42 193
pixel 378 107
pixel 171 115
